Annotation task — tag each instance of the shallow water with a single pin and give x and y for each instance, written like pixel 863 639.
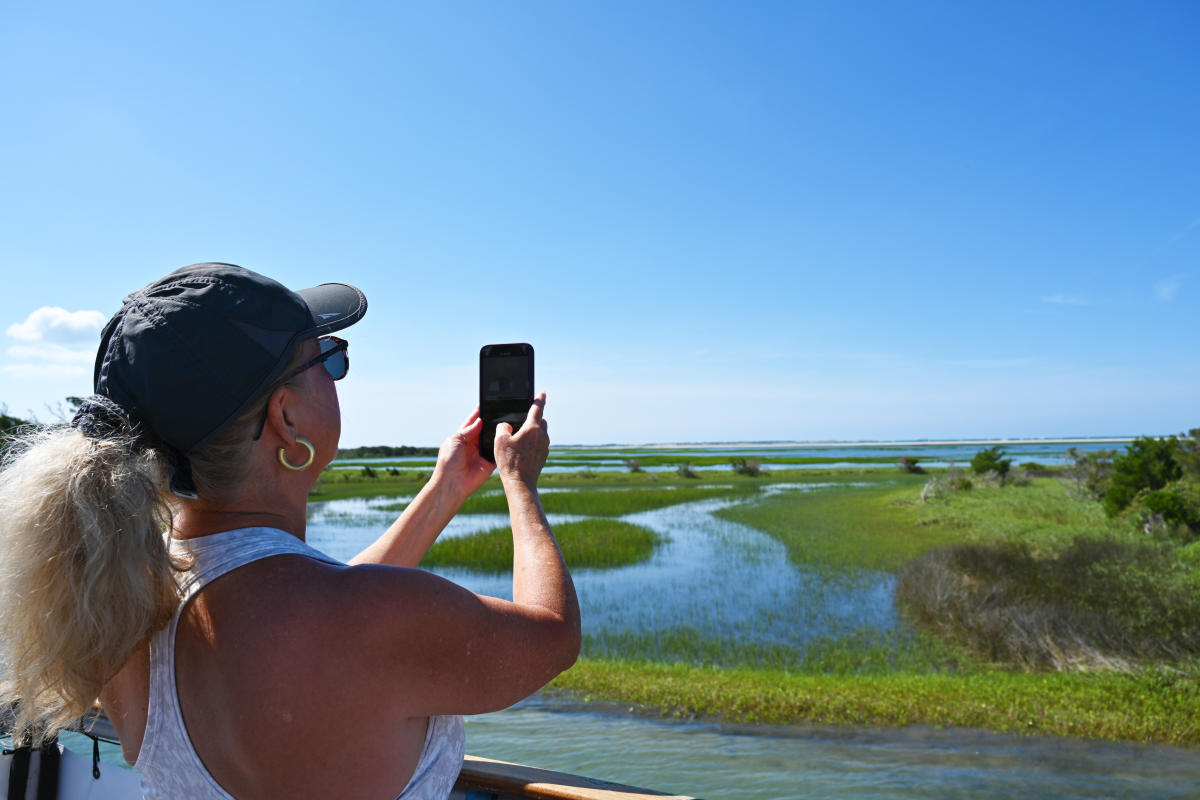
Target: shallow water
pixel 712 760
pixel 721 580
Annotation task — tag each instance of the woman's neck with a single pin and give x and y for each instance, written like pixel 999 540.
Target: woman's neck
pixel 195 518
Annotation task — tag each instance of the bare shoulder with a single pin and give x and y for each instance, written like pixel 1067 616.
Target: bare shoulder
pixel 405 641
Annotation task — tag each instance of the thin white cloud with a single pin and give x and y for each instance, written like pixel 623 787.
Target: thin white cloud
pixel 1167 289
pixel 1062 299
pixel 54 324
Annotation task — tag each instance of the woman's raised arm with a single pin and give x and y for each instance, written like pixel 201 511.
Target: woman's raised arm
pixel 470 653
pixel 458 473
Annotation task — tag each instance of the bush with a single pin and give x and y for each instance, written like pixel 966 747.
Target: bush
pixel 367 472
pixel 1188 454
pixel 1147 464
pixel 991 459
pixel 1175 507
pixel 957 480
pixel 633 465
pixel 909 464
pixel 746 466
pixel 686 471
pixel 1099 603
pixel 1091 471
pixel 1019 477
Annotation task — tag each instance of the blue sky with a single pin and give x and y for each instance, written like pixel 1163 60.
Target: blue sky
pixel 714 221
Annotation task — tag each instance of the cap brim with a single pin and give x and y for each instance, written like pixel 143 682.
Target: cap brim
pixel 333 306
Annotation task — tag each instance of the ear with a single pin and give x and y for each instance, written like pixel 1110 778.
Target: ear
pixel 281 415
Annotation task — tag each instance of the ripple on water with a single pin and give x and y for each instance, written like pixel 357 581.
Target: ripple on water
pixel 713 760
pixel 721 580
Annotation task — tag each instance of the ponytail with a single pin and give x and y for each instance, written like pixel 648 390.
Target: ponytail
pixel 85 573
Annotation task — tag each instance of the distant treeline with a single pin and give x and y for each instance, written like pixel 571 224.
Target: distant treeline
pixel 385 451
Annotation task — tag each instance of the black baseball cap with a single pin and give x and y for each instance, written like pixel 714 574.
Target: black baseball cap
pixel 189 353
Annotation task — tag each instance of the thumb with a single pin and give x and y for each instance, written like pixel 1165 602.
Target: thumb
pixel 503 429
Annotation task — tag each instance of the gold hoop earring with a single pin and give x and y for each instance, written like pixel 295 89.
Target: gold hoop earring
pixel 312 453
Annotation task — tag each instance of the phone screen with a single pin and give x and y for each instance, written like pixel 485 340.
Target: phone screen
pixel 505 389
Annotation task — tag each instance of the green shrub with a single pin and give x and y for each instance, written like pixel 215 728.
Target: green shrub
pixel 1019 477
pixel 1188 454
pixel 909 464
pixel 1091 471
pixel 633 465
pixel 1101 602
pixel 991 459
pixel 957 480
pixel 746 466
pixel 1147 464
pixel 1177 506
pixel 686 471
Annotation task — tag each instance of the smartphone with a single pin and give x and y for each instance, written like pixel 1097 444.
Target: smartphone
pixel 505 390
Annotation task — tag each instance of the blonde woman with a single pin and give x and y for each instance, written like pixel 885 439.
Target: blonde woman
pixel 233 659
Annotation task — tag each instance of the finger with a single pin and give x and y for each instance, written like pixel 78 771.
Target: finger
pixel 535 411
pixel 474 415
pixel 471 430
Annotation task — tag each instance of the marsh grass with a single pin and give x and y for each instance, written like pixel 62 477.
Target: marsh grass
pixel 1100 603
pixel 589 543
pixel 601 501
pixel 865 652
pixel 844 528
pixel 1041 578
pixel 1149 706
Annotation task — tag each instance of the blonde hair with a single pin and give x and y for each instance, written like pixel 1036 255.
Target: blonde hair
pixel 86 574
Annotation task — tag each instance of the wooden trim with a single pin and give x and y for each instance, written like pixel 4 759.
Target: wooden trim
pixel 504 778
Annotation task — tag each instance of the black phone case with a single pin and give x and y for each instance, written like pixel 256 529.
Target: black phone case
pixel 513 410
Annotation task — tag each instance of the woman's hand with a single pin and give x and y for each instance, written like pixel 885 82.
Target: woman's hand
pixel 521 455
pixel 459 464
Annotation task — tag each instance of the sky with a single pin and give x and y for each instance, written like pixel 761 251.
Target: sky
pixel 713 221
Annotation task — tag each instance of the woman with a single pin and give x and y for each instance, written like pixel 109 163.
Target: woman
pixel 234 660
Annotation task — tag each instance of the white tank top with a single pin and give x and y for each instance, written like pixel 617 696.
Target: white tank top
pixel 169 765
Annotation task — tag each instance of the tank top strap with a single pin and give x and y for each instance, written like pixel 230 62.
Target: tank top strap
pixel 168 762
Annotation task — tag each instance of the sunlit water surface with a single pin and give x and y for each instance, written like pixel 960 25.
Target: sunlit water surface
pixel 710 760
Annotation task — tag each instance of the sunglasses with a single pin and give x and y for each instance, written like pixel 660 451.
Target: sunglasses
pixel 334 357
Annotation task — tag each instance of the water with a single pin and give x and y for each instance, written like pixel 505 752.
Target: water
pixel 712 760
pixel 719 579
pixel 931 454
pixel 729 581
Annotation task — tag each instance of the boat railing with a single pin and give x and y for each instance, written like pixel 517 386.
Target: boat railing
pixel 480 778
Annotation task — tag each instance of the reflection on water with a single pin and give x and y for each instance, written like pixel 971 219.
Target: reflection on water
pixel 715 761
pixel 724 581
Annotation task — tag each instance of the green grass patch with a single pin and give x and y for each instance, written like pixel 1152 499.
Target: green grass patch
pixel 589 543
pixel 1151 706
pixel 1046 515
pixel 847 527
pixel 864 652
